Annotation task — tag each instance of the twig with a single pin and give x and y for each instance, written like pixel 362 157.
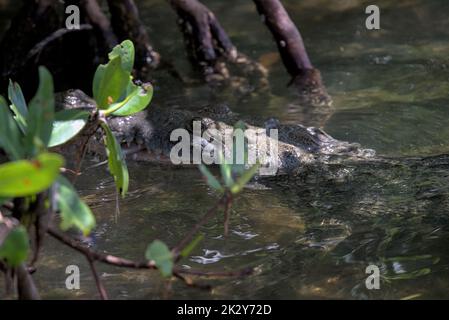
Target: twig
pixel 67 170
pixel 9 281
pixel 97 256
pixel 88 132
pixel 43 216
pixel 184 242
pixel 228 202
pixel 192 284
pixel 125 263
pixel 117 205
pixel 100 287
pixel 84 150
pixel 25 284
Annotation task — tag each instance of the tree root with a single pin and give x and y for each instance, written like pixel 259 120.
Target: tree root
pixel 101 24
pixel 127 25
pixel 41 41
pixel 208 44
pixel 305 78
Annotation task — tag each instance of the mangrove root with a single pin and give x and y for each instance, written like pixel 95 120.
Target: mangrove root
pixel 305 78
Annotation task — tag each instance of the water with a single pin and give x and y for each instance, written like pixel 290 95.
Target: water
pixel 390 91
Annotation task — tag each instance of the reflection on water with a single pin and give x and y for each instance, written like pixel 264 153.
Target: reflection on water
pixel 390 91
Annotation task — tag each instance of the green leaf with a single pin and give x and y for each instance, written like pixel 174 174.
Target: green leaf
pixel 125 51
pixel 244 179
pixel 137 99
pixel 16 97
pixel 225 169
pixel 24 178
pixel 192 245
pixel 74 212
pixel 210 179
pixel 10 137
pixel 41 113
pixel 117 164
pixel 110 83
pixel 67 124
pixel 162 257
pixel 98 78
pixel 19 106
pixel 15 247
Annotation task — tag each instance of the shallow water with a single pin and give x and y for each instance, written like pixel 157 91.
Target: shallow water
pixel 390 91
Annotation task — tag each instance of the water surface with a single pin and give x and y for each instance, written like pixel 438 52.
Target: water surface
pixel 390 91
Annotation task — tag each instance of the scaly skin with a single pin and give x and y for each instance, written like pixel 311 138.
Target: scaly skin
pixel 147 134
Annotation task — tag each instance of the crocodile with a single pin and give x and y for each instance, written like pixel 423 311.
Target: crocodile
pixel 308 158
pixel 146 136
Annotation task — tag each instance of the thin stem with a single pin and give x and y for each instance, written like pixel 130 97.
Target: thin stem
pixel 192 284
pixel 125 263
pixel 97 256
pixel 117 107
pixel 228 203
pixel 98 283
pixel 67 170
pixel 188 238
pixel 26 288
